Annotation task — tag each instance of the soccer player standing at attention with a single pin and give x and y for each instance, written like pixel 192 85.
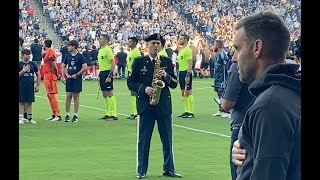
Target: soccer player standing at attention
pixel 106 66
pixel 134 53
pixel 162 51
pixel 50 72
pixel 76 65
pixel 27 69
pixel 21 41
pixel 185 76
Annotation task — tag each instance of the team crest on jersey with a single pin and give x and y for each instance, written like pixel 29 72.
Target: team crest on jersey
pixel 144 69
pixel 101 57
pixel 72 63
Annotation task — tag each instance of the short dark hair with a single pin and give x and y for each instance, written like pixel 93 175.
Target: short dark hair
pixel 94 47
pixel 135 39
pixel 74 43
pixel 25 51
pixel 270 28
pixel 186 36
pixel 36 40
pixel 105 36
pixel 47 43
pixel 163 41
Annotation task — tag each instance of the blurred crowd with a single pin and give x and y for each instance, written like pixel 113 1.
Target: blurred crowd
pixel 85 20
pixel 206 20
pixel 203 20
pixel 216 18
pixel 29 24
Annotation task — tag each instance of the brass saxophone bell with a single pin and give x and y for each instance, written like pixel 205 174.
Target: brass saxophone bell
pixel 157 83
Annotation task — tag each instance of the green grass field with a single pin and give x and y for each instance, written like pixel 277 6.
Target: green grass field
pixel 94 149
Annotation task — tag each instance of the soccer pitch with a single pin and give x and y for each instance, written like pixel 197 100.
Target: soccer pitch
pixel 94 149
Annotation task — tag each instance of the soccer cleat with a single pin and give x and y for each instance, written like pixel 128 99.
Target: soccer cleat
pixel 112 118
pixel 183 114
pixel 56 118
pixel 32 121
pixel 50 118
pixel 67 118
pixel 105 117
pixel 75 119
pixel 188 115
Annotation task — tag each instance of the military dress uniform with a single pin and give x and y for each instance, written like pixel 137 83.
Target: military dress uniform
pixel 141 77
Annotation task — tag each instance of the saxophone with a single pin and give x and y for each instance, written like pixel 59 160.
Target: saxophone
pixel 157 83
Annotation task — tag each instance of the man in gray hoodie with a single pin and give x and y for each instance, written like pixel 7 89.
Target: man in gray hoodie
pixel 269 142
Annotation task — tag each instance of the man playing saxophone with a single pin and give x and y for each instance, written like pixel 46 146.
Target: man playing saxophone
pixel 146 71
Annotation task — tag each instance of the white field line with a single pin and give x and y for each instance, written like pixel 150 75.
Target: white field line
pixel 128 93
pixel 184 127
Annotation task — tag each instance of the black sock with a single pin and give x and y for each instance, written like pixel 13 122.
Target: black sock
pixel 25 115
pixel 29 117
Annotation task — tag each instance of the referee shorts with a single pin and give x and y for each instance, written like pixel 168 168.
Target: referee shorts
pixel 182 76
pixel 103 85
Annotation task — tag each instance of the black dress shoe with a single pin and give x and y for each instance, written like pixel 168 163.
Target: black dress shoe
pixel 141 176
pixel 172 174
